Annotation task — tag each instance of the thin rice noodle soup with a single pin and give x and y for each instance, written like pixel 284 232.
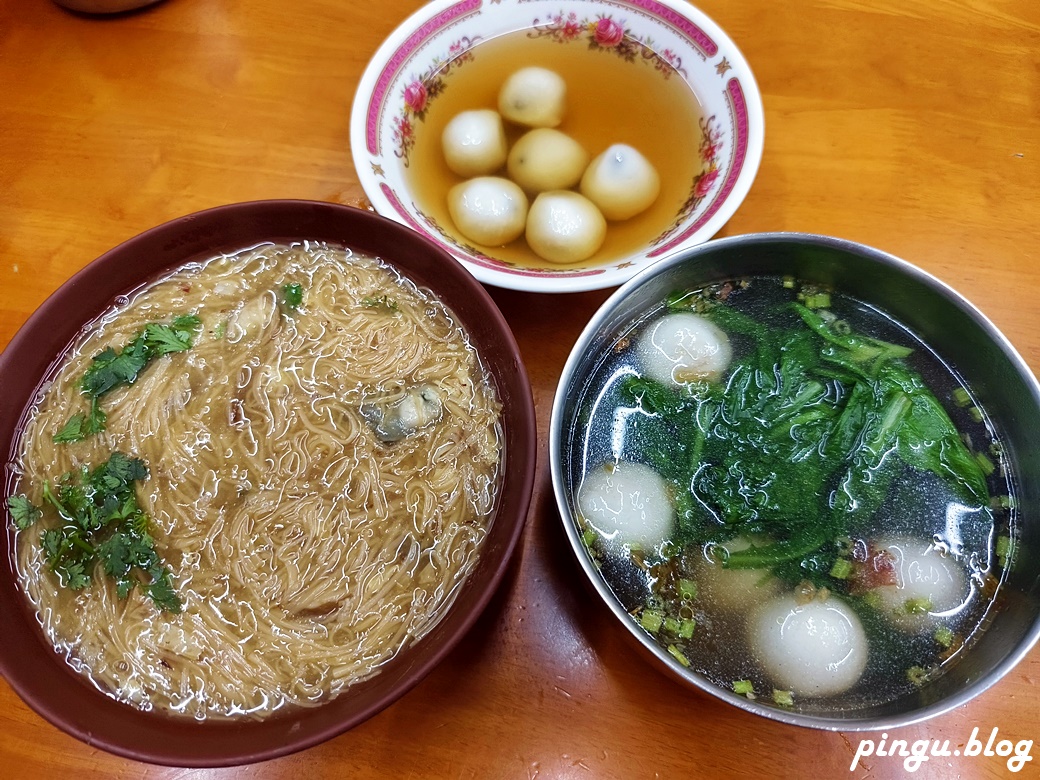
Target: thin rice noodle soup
pixel 322 473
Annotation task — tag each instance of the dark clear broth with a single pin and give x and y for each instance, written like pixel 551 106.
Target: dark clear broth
pixel 918 504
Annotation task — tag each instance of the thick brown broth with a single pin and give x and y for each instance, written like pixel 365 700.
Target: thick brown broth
pixel 306 547
pixel 610 100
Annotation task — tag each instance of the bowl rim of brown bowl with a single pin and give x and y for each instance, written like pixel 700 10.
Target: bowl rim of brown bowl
pixel 66 699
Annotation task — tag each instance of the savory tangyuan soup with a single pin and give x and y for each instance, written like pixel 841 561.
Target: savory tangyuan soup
pixel 250 483
pixel 791 493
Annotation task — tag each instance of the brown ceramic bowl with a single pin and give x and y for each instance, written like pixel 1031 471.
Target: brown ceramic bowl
pixel 104 6
pixel 43 679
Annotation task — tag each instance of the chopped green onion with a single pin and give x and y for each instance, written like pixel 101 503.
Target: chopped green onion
pixel 976 414
pixel 651 620
pixel 678 656
pixel 292 296
pixel 788 282
pixel 961 398
pixel 917 675
pixel 687 589
pixel 944 636
pixel 918 606
pixel 589 537
pixel 383 303
pixel 671 625
pixel 841 569
pixel 686 628
pixel 987 466
pixel 872 599
pixel 1005 550
pixel 783 698
pixel 818 301
pixel 743 687
pixel 1002 502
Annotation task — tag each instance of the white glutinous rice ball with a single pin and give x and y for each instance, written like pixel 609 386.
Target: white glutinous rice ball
pixel 732 591
pixel 564 227
pixel 535 97
pixel 488 210
pixel 474 143
pixel 621 182
pixel 628 504
pixel 816 648
pixel 683 347
pixel 546 159
pixel 928 583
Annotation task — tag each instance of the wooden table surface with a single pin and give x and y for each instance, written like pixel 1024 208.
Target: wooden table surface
pixel 910 125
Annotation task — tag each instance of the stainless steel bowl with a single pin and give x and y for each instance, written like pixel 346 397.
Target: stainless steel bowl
pixel 958 333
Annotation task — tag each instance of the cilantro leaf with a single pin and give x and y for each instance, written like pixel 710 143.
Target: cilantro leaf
pixel 72 430
pixel 178 337
pixel 118 473
pixel 162 593
pixel 114 553
pixel 73 575
pixel 80 426
pixel 110 369
pixel 113 368
pixel 51 542
pixel 23 512
pixel 96 420
pixel 187 323
pixel 100 522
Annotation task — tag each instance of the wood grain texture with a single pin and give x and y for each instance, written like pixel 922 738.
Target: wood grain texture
pixel 910 125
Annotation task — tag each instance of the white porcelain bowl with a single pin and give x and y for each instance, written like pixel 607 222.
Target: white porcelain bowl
pixel 418 64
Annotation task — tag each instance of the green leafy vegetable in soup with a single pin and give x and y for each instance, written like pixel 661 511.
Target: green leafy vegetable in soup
pixel 804 438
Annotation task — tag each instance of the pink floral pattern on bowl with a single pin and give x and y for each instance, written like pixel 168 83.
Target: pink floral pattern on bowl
pixel 710 151
pixel 670 37
pixel 421 90
pixel 608 34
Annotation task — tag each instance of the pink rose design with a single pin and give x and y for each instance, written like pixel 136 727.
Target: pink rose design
pixel 415 96
pixel 705 181
pixel 609 33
